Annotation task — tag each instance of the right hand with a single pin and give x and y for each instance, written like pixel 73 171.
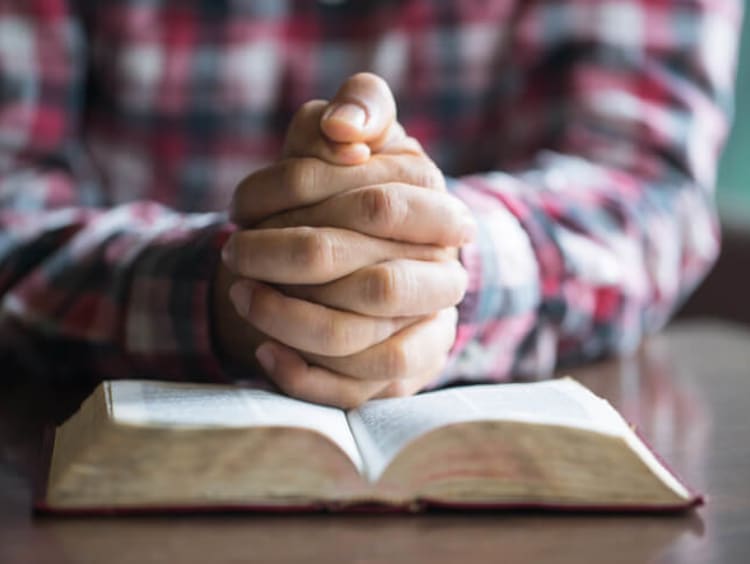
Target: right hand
pixel 374 253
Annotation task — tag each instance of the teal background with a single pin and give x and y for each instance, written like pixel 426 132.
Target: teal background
pixel 734 173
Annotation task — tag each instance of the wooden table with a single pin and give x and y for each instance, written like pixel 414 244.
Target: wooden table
pixel 688 391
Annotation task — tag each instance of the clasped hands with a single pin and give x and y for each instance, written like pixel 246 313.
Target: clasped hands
pixel 342 277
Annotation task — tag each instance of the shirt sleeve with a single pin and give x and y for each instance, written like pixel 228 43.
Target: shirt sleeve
pixel 87 292
pixel 602 219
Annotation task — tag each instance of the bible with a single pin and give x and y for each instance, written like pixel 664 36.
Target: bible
pixel 155 446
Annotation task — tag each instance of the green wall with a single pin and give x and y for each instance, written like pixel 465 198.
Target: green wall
pixel 734 173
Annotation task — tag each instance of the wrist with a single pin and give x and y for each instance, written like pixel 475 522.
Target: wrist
pixel 167 322
pixel 234 339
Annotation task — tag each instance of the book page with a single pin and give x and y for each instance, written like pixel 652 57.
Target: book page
pixel 166 404
pixel 383 427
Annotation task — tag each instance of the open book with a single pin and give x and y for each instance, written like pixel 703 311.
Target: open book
pixel 144 445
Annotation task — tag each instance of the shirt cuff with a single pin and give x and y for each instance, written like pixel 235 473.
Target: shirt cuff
pixel 168 324
pixel 503 295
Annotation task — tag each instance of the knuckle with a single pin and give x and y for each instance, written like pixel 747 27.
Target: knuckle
pixel 313 251
pixel 329 335
pixel 427 174
pixel 336 338
pixel 382 287
pixel 382 209
pixel 396 360
pixel 299 178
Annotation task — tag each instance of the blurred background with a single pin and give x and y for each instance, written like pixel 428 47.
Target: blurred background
pixel 725 292
pixel 734 174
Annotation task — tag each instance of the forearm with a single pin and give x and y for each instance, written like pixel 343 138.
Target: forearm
pixel 564 276
pixel 127 289
pixel 602 219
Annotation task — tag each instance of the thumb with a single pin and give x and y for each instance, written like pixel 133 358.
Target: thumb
pixel 362 111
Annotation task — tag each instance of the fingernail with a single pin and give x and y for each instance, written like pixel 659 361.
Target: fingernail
pixel 352 114
pixel 241 295
pixel 266 358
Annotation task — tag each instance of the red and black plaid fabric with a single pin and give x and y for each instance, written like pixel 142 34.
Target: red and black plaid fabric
pixel 584 135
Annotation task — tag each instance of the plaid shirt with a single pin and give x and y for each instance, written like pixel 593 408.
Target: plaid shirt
pixel 584 134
